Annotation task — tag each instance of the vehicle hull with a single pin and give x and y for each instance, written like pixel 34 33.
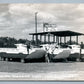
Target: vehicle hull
pixel 38 55
pixel 71 57
pixel 74 57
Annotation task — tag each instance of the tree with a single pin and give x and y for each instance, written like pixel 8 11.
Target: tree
pixel 7 42
pixel 22 41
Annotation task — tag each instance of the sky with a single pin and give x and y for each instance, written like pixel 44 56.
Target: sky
pixel 18 20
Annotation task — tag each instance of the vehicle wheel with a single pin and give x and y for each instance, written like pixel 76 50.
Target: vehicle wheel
pixel 77 60
pixel 2 59
pixel 10 59
pixel 47 58
pixel 6 59
pixel 22 61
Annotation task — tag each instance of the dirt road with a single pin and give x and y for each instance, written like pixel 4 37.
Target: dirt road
pixel 41 71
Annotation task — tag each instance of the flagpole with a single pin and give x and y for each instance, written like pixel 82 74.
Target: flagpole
pixel 36 26
pixel 43 26
pixel 36 22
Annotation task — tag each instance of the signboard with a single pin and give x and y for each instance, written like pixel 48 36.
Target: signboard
pixel 49 27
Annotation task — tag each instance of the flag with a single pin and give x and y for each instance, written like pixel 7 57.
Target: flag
pixel 45 24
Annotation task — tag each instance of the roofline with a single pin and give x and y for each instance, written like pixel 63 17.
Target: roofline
pixel 39 33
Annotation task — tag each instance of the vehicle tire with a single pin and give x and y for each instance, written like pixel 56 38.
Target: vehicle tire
pixel 10 59
pixel 22 61
pixel 2 59
pixel 6 59
pixel 78 60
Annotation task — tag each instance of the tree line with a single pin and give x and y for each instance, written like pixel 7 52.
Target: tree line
pixel 9 42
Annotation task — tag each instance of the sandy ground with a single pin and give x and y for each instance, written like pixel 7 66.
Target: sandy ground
pixel 73 71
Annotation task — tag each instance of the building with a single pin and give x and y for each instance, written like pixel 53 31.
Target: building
pixel 57 36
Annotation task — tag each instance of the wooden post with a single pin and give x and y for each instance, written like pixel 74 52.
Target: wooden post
pixel 32 37
pixel 65 39
pixel 70 40
pixel 81 46
pixel 53 39
pixel 49 38
pixel 40 37
pixel 56 39
pixel 36 39
pixel 45 38
pixel 77 39
pixel 60 40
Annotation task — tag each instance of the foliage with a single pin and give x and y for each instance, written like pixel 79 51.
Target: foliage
pixel 9 42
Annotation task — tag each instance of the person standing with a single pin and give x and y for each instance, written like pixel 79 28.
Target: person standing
pixel 28 46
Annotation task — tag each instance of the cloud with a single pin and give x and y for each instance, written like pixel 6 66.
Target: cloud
pixel 18 20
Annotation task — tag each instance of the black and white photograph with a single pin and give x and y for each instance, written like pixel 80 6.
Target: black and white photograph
pixel 42 42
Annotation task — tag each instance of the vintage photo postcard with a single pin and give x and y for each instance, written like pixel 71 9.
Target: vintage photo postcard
pixel 42 42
